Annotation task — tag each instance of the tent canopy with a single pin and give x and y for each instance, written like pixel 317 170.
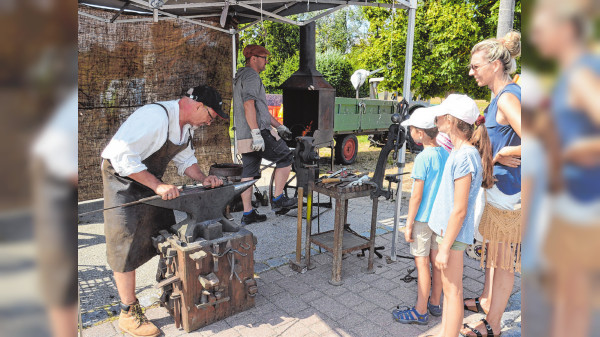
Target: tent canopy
pixel 224 11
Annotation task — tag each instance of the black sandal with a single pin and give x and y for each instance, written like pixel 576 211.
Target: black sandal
pixel 477 305
pixel 490 332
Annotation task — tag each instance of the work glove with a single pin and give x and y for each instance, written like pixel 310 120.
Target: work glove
pixel 258 143
pixel 284 132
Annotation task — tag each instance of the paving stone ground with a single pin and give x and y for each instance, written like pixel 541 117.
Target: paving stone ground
pixel 291 304
pixel 288 303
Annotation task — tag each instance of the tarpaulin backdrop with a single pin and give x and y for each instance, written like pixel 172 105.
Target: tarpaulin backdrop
pixel 123 66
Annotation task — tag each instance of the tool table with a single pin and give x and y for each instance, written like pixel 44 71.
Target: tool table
pixel 340 240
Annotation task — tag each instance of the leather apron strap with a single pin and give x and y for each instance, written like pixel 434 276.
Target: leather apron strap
pixel 129 230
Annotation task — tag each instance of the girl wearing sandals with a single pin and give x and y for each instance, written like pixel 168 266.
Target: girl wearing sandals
pixel 468 168
pixel 492 63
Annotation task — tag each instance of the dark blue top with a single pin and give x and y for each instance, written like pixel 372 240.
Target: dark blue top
pixel 508 178
pixel 583 183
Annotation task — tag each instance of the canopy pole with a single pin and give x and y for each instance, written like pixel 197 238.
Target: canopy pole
pixel 410 39
pixel 234 64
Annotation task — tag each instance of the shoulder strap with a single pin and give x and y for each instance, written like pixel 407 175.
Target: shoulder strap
pixel 168 123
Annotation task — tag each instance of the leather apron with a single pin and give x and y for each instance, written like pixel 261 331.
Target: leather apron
pixel 128 230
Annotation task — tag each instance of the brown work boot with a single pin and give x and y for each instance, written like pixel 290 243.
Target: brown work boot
pixel 133 321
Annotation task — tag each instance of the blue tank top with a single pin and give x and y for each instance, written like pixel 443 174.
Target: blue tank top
pixel 508 178
pixel 583 183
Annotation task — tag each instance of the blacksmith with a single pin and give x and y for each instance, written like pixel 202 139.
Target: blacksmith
pixel 255 138
pixel 134 163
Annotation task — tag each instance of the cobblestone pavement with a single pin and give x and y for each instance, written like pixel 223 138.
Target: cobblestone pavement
pixel 292 304
pixel 288 303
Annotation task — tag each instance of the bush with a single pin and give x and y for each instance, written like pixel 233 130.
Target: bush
pixel 337 71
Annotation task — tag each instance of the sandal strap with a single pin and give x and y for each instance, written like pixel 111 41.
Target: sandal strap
pixel 477 333
pixel 490 332
pixel 478 306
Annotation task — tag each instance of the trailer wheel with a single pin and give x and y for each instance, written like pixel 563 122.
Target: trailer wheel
pixel 346 149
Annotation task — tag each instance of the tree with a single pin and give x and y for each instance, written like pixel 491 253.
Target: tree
pixel 282 40
pixel 337 71
pixel 506 14
pixel 340 30
pixel 445 32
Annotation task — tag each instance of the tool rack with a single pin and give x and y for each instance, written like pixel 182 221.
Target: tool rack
pixel 340 241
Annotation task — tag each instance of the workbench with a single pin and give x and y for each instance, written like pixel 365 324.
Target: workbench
pixel 339 240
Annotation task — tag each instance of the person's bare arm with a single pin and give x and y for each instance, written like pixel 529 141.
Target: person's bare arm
pixel 457 217
pixel 509 108
pixel 250 113
pixel 274 122
pixel 584 152
pixel 196 173
pixel 413 208
pixel 166 191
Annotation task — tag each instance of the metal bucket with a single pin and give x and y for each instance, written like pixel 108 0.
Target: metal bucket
pixel 231 172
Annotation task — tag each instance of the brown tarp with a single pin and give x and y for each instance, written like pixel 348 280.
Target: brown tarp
pixel 123 66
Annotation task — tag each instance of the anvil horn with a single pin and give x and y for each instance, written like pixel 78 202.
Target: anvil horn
pixel 244 186
pixel 204 207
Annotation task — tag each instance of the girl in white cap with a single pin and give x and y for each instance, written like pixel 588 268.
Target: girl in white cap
pixel 468 168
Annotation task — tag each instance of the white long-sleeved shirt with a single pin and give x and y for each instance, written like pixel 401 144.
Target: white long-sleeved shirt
pixel 57 143
pixel 144 133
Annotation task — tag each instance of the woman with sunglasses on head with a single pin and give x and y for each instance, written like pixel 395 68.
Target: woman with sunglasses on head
pixel 492 63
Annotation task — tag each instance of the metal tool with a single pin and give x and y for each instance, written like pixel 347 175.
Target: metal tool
pixel 336 173
pixel 359 181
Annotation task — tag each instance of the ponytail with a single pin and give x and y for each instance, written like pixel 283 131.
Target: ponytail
pixel 478 136
pixel 481 141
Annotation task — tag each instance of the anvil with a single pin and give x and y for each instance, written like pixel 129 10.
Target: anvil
pixel 204 208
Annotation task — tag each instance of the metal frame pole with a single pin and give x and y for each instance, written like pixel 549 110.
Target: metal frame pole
pixel 410 39
pixel 234 61
pixel 400 163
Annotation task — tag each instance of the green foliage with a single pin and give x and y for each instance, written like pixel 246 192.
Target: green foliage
pixel 282 40
pixel 337 71
pixel 445 32
pixel 340 30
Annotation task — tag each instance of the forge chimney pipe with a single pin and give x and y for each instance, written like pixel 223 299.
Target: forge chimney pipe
pixel 308 62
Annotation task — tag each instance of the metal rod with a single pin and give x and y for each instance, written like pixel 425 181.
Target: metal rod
pixel 154 197
pixel 216 4
pixel 400 163
pixel 410 39
pixel 299 229
pixel 139 20
pixel 327 12
pixel 120 11
pixel 267 13
pixel 398 4
pixel 258 21
pixel 258 17
pixel 92 16
pixel 182 18
pixel 234 66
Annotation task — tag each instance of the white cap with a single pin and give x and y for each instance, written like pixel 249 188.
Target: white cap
pixel 462 107
pixel 422 118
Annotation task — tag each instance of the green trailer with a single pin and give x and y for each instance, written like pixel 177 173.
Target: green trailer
pixel 361 116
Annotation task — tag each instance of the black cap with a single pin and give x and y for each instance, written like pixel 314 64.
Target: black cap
pixel 209 97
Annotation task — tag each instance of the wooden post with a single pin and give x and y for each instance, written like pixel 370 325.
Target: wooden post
pixel 338 233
